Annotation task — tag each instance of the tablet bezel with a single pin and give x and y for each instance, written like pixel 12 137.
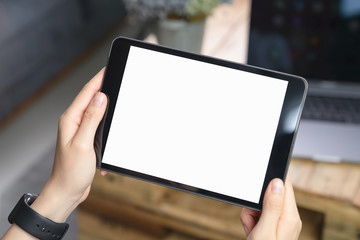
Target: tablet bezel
pixel 284 137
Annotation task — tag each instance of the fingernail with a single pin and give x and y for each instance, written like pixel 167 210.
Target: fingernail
pixel 98 99
pixel 277 186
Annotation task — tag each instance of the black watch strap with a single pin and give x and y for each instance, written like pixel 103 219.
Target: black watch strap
pixel 33 223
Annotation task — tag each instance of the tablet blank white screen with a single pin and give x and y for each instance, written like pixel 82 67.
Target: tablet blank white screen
pixel 195 123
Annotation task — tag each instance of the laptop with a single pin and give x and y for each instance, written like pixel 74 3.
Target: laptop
pixel 320 41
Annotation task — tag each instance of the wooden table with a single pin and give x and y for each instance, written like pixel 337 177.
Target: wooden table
pixel 327 196
pixel 332 189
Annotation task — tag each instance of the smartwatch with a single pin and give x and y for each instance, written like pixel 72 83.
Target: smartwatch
pixel 33 223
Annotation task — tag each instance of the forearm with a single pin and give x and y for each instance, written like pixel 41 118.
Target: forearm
pixel 16 232
pixel 54 204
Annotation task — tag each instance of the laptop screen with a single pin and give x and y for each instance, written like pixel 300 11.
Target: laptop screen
pixel 318 39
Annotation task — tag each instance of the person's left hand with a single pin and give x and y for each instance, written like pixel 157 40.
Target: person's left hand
pixel 75 162
pixel 279 219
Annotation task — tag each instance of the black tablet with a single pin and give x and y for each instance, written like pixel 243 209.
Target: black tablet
pixel 206 126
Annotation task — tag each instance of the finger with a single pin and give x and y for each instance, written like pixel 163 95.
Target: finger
pixel 289 198
pixel 71 119
pixel 86 94
pixel 272 207
pixel 103 172
pixel 290 215
pixel 90 121
pixel 249 218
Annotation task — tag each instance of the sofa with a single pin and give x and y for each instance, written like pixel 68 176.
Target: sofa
pixel 38 38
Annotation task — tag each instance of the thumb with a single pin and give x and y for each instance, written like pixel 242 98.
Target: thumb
pixel 272 208
pixel 91 119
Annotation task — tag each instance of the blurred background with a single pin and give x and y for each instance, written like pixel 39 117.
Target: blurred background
pixel 50 49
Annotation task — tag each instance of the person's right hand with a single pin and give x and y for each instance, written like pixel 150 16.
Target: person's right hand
pixel 75 162
pixel 279 219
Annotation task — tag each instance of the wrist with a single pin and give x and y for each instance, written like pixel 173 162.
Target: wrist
pixel 54 204
pixel 32 223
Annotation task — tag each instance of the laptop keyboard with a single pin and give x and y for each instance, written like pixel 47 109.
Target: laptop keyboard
pixel 345 110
